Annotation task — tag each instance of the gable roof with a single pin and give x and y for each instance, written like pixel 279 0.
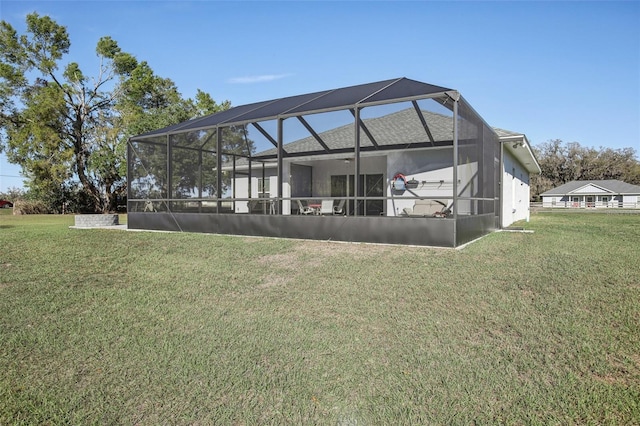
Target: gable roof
pixel 379 92
pixel 612 186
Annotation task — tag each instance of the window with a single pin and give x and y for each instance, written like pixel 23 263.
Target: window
pixel 263 187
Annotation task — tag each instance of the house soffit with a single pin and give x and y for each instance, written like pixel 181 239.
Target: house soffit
pixel 518 146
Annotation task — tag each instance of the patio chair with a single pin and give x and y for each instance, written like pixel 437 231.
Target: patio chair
pixel 149 207
pixel 304 209
pixel 339 209
pixel 326 207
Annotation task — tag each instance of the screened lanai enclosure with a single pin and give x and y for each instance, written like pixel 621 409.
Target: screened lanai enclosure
pixel 396 161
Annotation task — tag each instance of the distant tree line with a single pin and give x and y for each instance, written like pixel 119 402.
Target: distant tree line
pixel 565 162
pixel 68 130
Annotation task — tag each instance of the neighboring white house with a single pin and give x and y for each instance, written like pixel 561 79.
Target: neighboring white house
pixel 593 194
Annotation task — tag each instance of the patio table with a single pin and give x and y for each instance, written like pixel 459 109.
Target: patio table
pixel 315 207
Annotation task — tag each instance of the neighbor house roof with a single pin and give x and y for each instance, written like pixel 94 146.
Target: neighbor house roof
pixel 379 92
pixel 593 186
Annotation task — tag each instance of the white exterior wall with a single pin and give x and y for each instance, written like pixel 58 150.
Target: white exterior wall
pixel 631 201
pixel 433 170
pixel 242 187
pixel 551 201
pixel 515 191
pixel 242 191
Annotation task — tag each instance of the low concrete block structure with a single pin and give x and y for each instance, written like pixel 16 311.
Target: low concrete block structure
pixel 96 220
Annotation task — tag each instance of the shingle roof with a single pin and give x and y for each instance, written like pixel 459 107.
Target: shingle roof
pixel 504 133
pixel 615 186
pixel 399 128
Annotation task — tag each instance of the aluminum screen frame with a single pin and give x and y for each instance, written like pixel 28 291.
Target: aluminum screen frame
pixel 474 145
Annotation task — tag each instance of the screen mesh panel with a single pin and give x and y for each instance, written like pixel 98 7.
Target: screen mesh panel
pixel 309 103
pixel 329 166
pixel 405 88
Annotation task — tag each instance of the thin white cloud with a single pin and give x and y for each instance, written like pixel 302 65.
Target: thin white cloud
pixel 257 78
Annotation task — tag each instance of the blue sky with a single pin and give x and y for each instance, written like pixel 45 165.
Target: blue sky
pixel 551 70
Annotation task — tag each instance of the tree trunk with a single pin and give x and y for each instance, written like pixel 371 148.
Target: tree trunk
pixel 81 158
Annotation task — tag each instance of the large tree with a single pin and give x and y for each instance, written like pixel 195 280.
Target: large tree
pixel 564 162
pixel 68 131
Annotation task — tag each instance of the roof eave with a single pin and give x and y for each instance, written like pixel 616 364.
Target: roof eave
pixel 528 158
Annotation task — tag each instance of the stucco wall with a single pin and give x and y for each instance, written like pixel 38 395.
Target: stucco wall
pixel 270 174
pixel 515 191
pixel 433 169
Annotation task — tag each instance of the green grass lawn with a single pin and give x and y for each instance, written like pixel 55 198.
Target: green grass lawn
pixel 114 327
